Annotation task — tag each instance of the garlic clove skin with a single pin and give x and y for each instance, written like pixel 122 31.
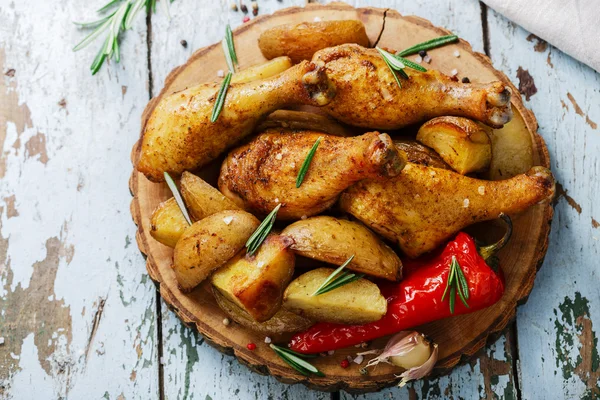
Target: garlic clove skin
pixel 421 370
pixel 415 357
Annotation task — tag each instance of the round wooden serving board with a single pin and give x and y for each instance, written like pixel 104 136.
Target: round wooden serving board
pixel 459 337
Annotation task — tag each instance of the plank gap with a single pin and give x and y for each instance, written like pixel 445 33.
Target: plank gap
pixel 514 349
pixel 485 28
pixel 149 50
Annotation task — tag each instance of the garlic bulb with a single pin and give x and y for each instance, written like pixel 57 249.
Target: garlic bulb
pixel 410 350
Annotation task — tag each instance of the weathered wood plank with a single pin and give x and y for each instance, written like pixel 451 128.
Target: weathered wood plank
pixel 192 369
pixel 77 309
pixel 557 328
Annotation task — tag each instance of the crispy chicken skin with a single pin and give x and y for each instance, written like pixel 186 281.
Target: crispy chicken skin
pixel 179 135
pixel 367 94
pixel 423 206
pixel 262 173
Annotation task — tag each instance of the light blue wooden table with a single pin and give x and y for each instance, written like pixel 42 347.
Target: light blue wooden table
pixel 80 319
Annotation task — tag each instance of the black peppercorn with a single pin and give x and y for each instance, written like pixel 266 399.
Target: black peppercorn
pixel 466 80
pixel 184 43
pixel 422 53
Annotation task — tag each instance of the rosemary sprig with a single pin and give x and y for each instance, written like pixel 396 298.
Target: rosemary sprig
pixel 232 62
pixel 306 163
pixel 295 360
pixel 393 64
pixel 116 22
pixel 220 98
pixel 457 283
pixel 262 231
pixel 428 45
pixel 173 186
pixel 338 279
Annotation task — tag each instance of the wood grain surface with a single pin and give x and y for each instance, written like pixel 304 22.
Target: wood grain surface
pixel 77 326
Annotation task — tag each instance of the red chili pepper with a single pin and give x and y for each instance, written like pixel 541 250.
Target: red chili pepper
pixel 417 299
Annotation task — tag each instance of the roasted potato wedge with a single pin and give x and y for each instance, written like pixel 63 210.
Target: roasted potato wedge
pixel 301 41
pixel 262 71
pixel 358 302
pixel 461 142
pixel 167 223
pixel 302 120
pixel 256 283
pixel 419 154
pixel 201 198
pixel 512 151
pixel 334 240
pixel 282 322
pixel 209 243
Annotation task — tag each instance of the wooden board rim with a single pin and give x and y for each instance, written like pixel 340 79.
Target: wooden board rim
pixel 330 383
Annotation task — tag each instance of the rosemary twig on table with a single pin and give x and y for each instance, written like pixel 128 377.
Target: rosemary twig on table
pixel 306 163
pixel 295 360
pixel 232 62
pixel 457 283
pixel 173 186
pixel 428 45
pixel 338 279
pixel 117 21
pixel 260 234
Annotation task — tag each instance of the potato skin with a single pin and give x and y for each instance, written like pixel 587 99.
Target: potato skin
pixel 460 142
pixel 167 223
pixel 209 243
pixel 282 322
pixel 358 302
pixel 201 198
pixel 256 283
pixel 334 240
pixel 262 71
pixel 418 154
pixel 301 41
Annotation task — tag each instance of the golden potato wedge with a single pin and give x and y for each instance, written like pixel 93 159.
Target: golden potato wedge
pixel 358 302
pixel 167 223
pixel 262 71
pixel 418 154
pixel 334 240
pixel 201 198
pixel 302 120
pixel 461 143
pixel 512 151
pixel 209 243
pixel 301 41
pixel 282 322
pixel 256 283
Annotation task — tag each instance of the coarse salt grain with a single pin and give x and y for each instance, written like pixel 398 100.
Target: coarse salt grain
pixel 481 190
pixel 454 72
pixel 419 59
pixel 331 352
pixel 456 53
pixel 1 340
pixel 228 220
pixel 358 360
pixel 260 264
pixel 162 361
pixel 466 203
pixel 427 59
pixel 278 156
pixel 317 19
pixel 226 321
pixel 267 340
pixel 220 73
pixel 277 200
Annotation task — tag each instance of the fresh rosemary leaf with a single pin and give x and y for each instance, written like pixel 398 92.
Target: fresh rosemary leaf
pixel 391 68
pixel 230 45
pixel 396 63
pixel 262 231
pixel 108 6
pixel 334 279
pixel 462 280
pixel 428 45
pixel 90 38
pixel 411 64
pixel 285 349
pixel 344 280
pixel 306 163
pixel 452 298
pixel 218 107
pixel 295 362
pixel 462 296
pixel 93 24
pixel 133 12
pixel 177 195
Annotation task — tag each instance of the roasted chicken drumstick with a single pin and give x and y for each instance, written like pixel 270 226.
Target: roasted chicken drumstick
pixel 262 174
pixel 367 94
pixel 179 135
pixel 424 206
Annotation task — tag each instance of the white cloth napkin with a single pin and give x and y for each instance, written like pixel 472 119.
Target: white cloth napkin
pixel 571 25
